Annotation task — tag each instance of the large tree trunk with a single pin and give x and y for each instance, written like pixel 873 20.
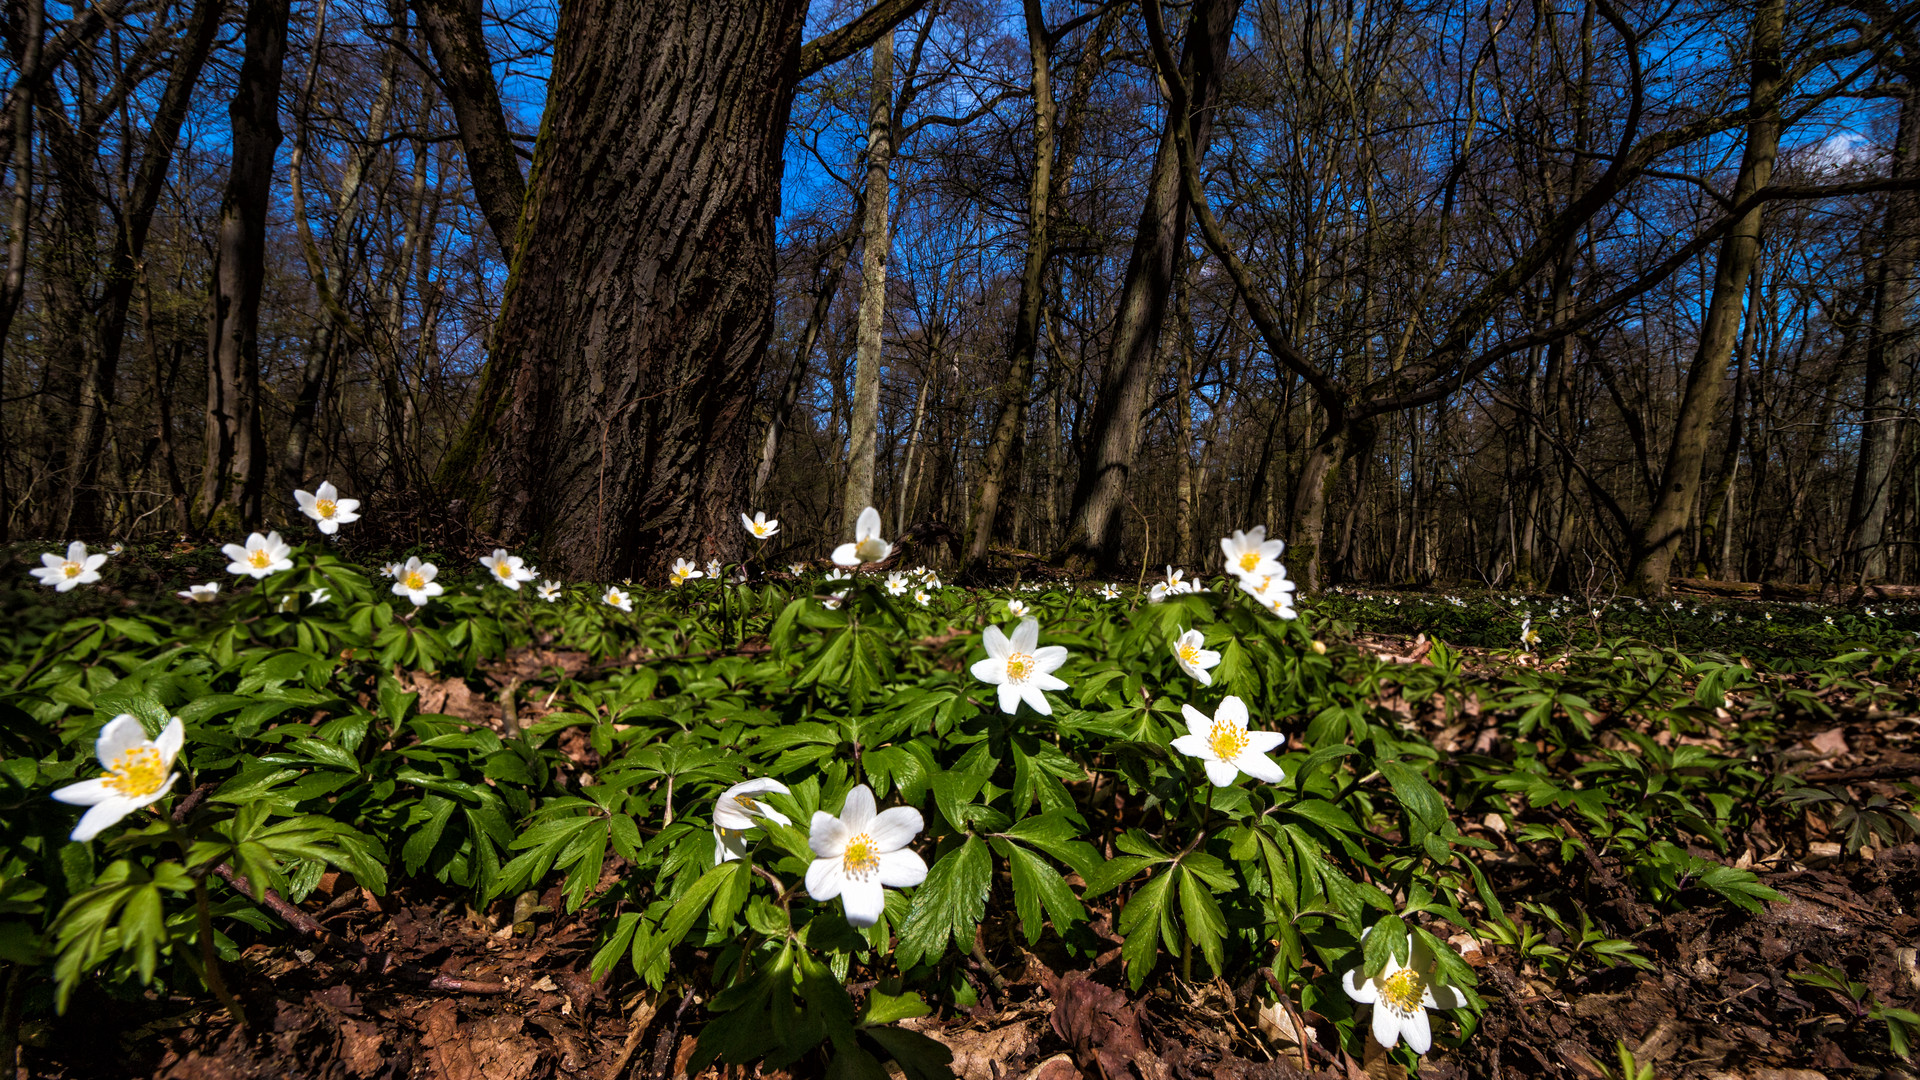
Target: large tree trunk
pixel 129 245
pixel 1892 289
pixel 1026 326
pixel 236 457
pixel 1680 481
pixel 617 394
pixel 1093 530
pixel 13 285
pixel 863 426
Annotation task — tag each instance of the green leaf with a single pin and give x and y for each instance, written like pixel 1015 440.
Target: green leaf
pixel 1039 888
pixel 948 905
pixel 1141 924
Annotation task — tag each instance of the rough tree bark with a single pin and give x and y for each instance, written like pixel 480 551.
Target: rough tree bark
pixel 863 423
pixel 1093 530
pixel 235 454
pixel 20 216
pixel 1680 480
pixel 611 422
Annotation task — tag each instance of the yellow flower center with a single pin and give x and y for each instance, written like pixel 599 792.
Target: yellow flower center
pixel 259 559
pixel 137 772
pixel 1189 652
pixel 324 507
pixel 1403 991
pixel 746 802
pixel 71 569
pixel 503 569
pixel 414 582
pixel 1020 667
pixel 1249 560
pixel 759 529
pixel 1227 740
pixel 863 855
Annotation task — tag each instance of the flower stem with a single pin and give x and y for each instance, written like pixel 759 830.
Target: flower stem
pixel 209 959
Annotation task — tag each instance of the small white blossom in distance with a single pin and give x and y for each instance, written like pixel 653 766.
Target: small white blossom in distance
pixel 1401 996
pixel 1226 748
pixel 200 594
pixel 120 549
pixel 139 773
pixel 327 509
pixel 1194 658
pixel 859 854
pixel 921 597
pixel 713 569
pixel 78 568
pixel 1017 608
pixel 683 571
pixel 1109 592
pixel 834 600
pixel 614 597
pixel 1019 668
pixel 262 555
pixel 508 570
pixel 549 591
pixel 759 526
pixel 796 568
pixel 897 584
pixel 415 581
pixel 735 812
pixel 867 546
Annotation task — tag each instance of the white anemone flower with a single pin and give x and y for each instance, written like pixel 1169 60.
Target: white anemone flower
pixel 1194 659
pixel 200 594
pixel 392 569
pixel 1273 591
pixel 897 584
pixel 867 547
pixel 834 600
pixel 838 575
pixel 415 581
pixel 139 773
pixel 733 815
pixel 78 568
pixel 1226 748
pixel 683 571
pixel 713 569
pixel 1251 554
pixel 759 526
pixel 508 570
pixel 1017 608
pixel 1020 668
pixel 549 591
pixel 1109 592
pixel 613 597
pixel 796 568
pixel 318 596
pixel 327 509
pixel 1529 637
pixel 1176 581
pixel 1401 996
pixel 860 854
pixel 120 549
pixel 261 556
pixel 921 597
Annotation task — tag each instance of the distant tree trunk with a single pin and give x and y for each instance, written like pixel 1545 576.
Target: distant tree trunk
pixel 834 259
pixel 1026 325
pixel 1680 481
pixel 236 459
pixel 1093 529
pixel 1717 513
pixel 129 245
pixel 1890 282
pixel 20 216
pixel 863 426
pixel 459 44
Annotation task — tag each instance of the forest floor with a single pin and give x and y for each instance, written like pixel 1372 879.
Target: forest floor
pixel 416 984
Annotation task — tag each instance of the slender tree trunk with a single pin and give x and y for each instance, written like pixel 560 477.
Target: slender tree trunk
pixel 1093 530
pixel 1717 511
pixel 20 217
pixel 454 32
pixel 835 261
pixel 1680 481
pixel 235 457
pixel 129 246
pixel 1891 285
pixel 863 427
pixel 1026 326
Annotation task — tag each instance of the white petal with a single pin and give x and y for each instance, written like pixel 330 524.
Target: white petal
pixel 1026 636
pixel 857 811
pixel 1265 741
pixel 1221 773
pixel 306 501
pixel 1386 1026
pixel 827 835
pixel 864 899
pixel 122 733
pixel 1259 766
pixel 1233 711
pixel 1206 658
pixel 728 814
pixel 1361 990
pixel 901 869
pixel 1196 720
pixel 868 525
pixel 1043 681
pixel 825 879
pixel 895 828
pixel 996 643
pixel 1048 658
pixel 990 670
pixel 100 816
pixel 728 845
pixel 845 555
pixel 1201 676
pixel 172 738
pixel 1442 996
pixel 1037 698
pixel 1192 746
pixel 1009 698
pixel 232 551
pixel 1417 1030
pixel 328 491
pixel 328 526
pixel 93 563
pixel 86 792
pixel 346 511
pixel 77 552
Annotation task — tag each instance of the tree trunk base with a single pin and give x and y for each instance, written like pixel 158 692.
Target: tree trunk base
pixel 1766 590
